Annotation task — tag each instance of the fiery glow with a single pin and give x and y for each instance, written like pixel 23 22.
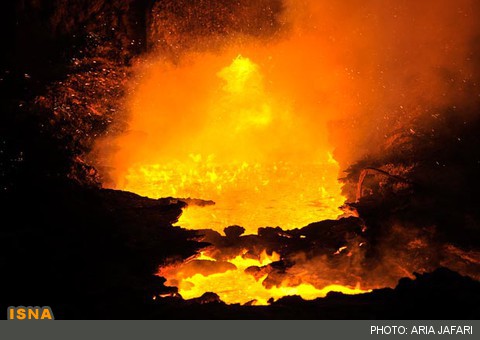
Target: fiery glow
pixel 235 285
pixel 216 129
pixel 255 132
pixel 241 147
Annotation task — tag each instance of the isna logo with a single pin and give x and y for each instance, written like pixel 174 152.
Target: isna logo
pixel 29 313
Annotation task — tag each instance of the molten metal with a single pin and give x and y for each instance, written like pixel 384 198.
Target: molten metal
pixel 244 150
pixel 240 146
pixel 236 285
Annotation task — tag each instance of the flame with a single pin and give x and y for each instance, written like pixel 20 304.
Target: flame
pixel 240 146
pixel 238 286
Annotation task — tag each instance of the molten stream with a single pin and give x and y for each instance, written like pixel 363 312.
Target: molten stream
pixel 237 286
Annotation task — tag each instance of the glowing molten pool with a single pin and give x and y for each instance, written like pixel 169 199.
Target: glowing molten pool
pixel 239 146
pixel 227 134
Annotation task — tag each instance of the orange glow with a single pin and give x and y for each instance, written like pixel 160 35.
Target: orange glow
pixel 235 285
pixel 220 128
pixel 257 126
pixel 240 145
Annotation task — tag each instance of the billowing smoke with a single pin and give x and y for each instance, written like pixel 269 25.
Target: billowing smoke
pixel 405 65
